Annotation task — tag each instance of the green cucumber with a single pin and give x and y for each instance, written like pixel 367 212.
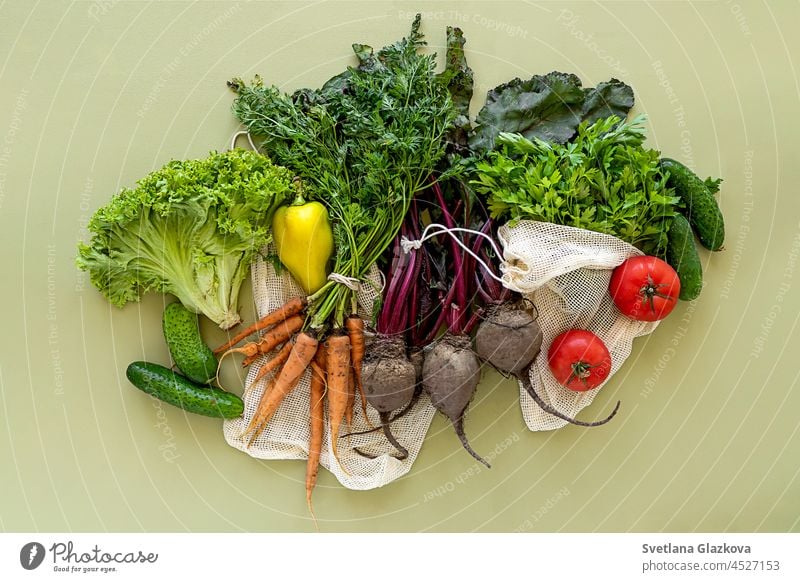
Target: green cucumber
pixel 171 387
pixel 701 207
pixel 682 256
pixel 192 356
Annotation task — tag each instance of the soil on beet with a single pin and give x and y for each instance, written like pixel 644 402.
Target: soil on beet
pixel 509 339
pixel 387 375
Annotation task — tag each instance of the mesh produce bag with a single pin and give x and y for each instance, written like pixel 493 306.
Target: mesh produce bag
pixel 286 434
pixel 565 272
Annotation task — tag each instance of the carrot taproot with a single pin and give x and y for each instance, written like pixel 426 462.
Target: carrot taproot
pixel 248 361
pixel 271 339
pixel 276 362
pixel 280 333
pixel 288 309
pixel 317 424
pixel 355 331
pixel 338 370
pixel 351 396
pixel 249 350
pixel 305 346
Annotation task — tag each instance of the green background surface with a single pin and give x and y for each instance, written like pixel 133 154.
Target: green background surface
pixel 94 95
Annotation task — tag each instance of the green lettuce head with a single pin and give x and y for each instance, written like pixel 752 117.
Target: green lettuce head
pixel 191 229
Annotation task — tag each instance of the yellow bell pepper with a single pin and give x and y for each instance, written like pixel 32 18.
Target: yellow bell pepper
pixel 304 241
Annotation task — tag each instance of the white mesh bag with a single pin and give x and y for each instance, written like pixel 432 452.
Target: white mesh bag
pixel 286 435
pixel 565 272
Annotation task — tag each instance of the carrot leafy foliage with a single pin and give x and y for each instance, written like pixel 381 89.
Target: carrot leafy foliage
pixel 363 144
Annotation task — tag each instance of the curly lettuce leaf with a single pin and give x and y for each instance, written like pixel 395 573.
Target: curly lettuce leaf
pixel 191 229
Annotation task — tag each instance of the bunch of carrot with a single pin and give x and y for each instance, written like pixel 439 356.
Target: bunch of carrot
pixel 335 364
pixel 363 144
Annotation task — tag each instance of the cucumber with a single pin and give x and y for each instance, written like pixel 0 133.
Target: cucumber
pixel 701 209
pixel 682 256
pixel 192 356
pixel 166 385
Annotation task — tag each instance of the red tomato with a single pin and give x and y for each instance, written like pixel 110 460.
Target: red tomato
pixel 645 288
pixel 579 360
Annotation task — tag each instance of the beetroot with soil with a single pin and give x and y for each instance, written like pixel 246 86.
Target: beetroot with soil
pixel 451 370
pixel 509 338
pixel 389 377
pixel 450 375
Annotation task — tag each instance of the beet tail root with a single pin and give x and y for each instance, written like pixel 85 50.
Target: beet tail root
pixel 550 410
pixel 458 425
pixel 401 450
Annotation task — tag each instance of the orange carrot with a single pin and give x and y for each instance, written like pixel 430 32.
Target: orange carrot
pixel 355 330
pixel 351 397
pixel 279 360
pixel 271 339
pixel 280 333
pixel 250 359
pixel 317 424
pixel 291 307
pixel 305 346
pixel 338 369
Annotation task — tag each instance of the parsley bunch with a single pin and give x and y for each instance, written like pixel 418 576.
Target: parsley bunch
pixel 604 180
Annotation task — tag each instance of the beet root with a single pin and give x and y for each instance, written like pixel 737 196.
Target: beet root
pixel 417 357
pixel 509 339
pixel 388 377
pixel 450 376
pixel 526 383
pixel 389 380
